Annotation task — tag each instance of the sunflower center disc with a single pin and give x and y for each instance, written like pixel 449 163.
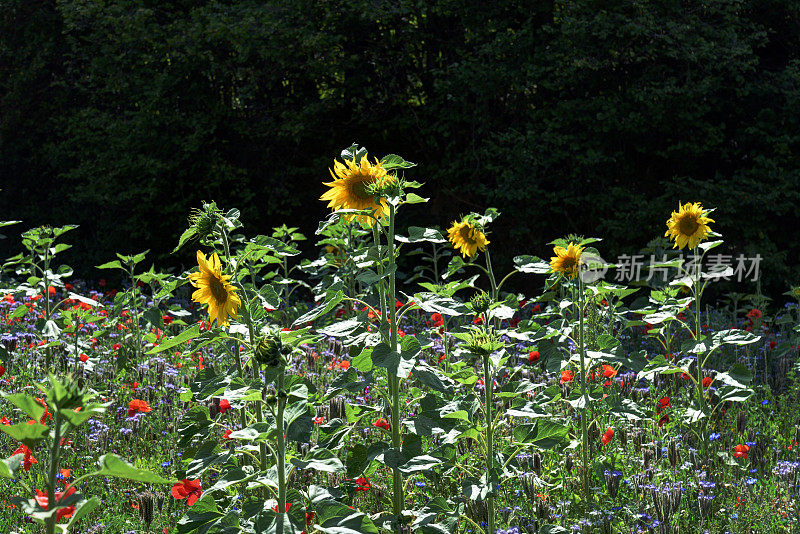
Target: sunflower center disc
pixel 466 234
pixel 218 290
pixel 688 225
pixel 359 190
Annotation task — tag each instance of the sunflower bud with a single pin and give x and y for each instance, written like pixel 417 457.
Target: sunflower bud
pixel 483 341
pixel 204 220
pixel 480 303
pixel 268 350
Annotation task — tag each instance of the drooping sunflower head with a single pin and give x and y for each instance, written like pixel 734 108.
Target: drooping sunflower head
pixel 214 289
pixel 352 188
pixel 567 260
pixel 688 225
pixel 467 237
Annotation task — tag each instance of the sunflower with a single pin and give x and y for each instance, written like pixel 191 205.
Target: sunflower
pixel 688 225
pixel 467 238
pixel 348 190
pixel 214 289
pixel 567 260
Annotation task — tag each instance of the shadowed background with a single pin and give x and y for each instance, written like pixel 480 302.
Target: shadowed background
pixel 592 117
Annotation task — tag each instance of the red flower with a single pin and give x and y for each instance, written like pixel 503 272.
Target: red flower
pixel 167 319
pixel 319 420
pixel 773 344
pixel 65 473
pixel 84 358
pixel 5 421
pixel 533 356
pixel 664 420
pixel 2 370
pixel 51 291
pixel 477 320
pixel 344 365
pixel 608 371
pixel 664 402
pixel 363 484
pixel 755 313
pixel 224 406
pixel 567 376
pixel 42 499
pixel 309 518
pixel 741 451
pixel 536 309
pixel 138 406
pixel 227 434
pixel 707 381
pixel 381 423
pixel 187 488
pixel 28 460
pixel 608 436
pixel 437 319
pixel 275 508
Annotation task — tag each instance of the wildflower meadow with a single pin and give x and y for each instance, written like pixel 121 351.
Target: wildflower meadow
pixel 382 377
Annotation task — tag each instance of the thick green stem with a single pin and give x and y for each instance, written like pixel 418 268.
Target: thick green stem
pixel 488 383
pixel 55 452
pixel 701 401
pixel 394 380
pixel 585 408
pixel 280 454
pixel 135 305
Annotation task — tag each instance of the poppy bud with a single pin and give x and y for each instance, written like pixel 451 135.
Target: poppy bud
pixel 623 436
pixel 537 463
pixel 672 453
pixel 146 508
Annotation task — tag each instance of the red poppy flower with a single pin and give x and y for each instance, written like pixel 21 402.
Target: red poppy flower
pixel 309 518
pixel 664 420
pixel 741 451
pixel 319 420
pixel 227 434
pixel 65 473
pixel 381 423
pixel 344 365
pixel 167 319
pixel 773 344
pixel 28 459
pixel 138 406
pixel 608 371
pixel 275 508
pixel 187 488
pixel 224 406
pixel 5 421
pixel 755 313
pixel 2 370
pixel 608 436
pixel 363 484
pixel 437 319
pixel 707 381
pixel 567 376
pixel 664 402
pixel 42 499
pixel 533 356
pixel 536 309
pixel 84 358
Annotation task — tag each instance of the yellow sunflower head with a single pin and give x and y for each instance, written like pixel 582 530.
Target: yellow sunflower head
pixel 467 237
pixel 688 225
pixel 350 188
pixel 214 289
pixel 567 260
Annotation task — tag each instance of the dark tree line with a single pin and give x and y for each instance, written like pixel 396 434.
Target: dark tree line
pixel 583 116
